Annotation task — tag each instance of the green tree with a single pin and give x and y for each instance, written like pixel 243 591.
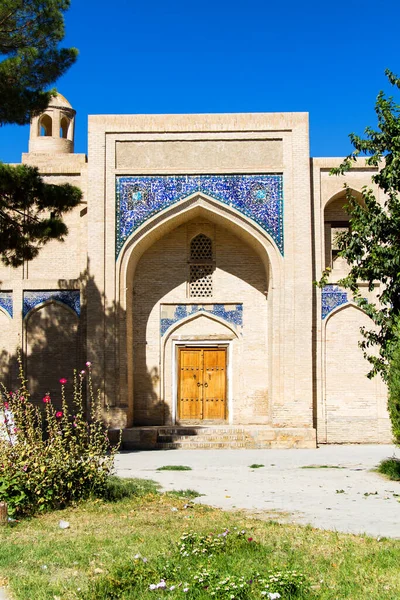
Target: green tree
pixel 30 210
pixel 371 246
pixel 30 31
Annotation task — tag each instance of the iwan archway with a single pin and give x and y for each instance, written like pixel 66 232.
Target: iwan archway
pixel 223 307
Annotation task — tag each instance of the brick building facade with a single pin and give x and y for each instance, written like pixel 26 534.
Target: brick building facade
pixel 187 280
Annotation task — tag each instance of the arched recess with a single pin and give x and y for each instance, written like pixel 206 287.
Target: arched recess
pixel 5 336
pixel 51 342
pixel 197 209
pixel 64 127
pixel 190 333
pixel 45 126
pixel 354 405
pixel 336 220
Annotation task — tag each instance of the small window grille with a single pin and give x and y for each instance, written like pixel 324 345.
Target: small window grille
pixel 201 281
pixel 201 248
pixel 201 267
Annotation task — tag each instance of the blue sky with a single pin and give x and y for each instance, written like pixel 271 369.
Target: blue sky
pixel 225 56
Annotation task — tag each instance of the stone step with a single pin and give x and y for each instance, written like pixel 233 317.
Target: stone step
pixel 205 445
pixel 217 436
pixel 192 431
pixel 203 438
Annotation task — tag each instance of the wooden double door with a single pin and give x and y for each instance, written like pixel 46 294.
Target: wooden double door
pixel 202 384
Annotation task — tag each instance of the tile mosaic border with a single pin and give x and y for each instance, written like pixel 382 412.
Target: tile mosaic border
pixel 232 313
pixel 332 297
pixel 6 302
pixel 259 197
pixel 71 298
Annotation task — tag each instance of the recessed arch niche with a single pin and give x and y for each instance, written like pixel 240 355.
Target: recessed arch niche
pixel 51 337
pixel 146 284
pixel 351 399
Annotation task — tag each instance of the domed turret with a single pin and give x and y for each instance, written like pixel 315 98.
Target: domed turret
pixel 52 132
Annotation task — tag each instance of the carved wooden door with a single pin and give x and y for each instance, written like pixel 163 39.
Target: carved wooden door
pixel 202 384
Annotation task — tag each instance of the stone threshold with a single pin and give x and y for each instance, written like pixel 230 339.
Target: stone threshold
pixel 214 437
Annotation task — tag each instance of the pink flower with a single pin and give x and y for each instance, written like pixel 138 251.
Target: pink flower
pixel 88 364
pixel 59 414
pixel 249 539
pixel 6 405
pixel 63 381
pixel 82 373
pixel 46 399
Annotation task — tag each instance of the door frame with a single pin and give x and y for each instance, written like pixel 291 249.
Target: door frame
pixel 176 345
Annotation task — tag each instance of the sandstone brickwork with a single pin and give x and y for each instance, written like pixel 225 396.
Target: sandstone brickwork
pixel 295 375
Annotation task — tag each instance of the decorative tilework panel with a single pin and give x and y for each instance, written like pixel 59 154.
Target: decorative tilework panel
pixel 259 197
pixel 332 297
pixel 6 302
pixel 71 298
pixel 172 313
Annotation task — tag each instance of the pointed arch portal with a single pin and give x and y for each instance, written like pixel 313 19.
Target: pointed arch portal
pixel 154 283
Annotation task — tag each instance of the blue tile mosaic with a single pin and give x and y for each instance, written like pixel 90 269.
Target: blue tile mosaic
pixel 233 314
pixel 332 297
pixel 6 302
pixel 259 197
pixel 71 298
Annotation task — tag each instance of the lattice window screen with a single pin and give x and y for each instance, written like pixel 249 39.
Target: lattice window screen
pixel 201 268
pixel 201 248
pixel 201 281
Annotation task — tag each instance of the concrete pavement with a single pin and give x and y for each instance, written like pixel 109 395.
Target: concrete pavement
pixel 332 487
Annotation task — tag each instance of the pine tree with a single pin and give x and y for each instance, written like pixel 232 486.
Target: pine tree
pixel 30 31
pixel 30 210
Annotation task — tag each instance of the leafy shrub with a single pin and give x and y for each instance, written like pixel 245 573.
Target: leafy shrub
pixel 50 458
pixel 394 392
pixel 391 468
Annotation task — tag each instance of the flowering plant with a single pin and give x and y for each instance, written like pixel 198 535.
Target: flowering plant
pixel 197 544
pixel 50 458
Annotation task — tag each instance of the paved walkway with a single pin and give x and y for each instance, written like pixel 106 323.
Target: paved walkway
pixel 351 498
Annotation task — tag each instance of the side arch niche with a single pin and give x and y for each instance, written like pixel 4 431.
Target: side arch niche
pixel 45 126
pixel 64 127
pixel 5 336
pixel 51 337
pixel 336 220
pixel 355 406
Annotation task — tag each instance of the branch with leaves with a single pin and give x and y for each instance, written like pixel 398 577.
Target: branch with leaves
pixel 371 246
pixel 30 212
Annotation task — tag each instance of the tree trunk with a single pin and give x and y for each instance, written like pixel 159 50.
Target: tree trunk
pixel 3 513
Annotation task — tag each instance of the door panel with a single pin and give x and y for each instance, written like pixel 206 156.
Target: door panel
pixel 190 384
pixel 202 384
pixel 214 387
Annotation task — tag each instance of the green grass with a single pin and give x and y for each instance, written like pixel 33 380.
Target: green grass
pixel 43 562
pixel 119 488
pixel 174 468
pixel 184 494
pixel 256 466
pixel 322 467
pixel 391 468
